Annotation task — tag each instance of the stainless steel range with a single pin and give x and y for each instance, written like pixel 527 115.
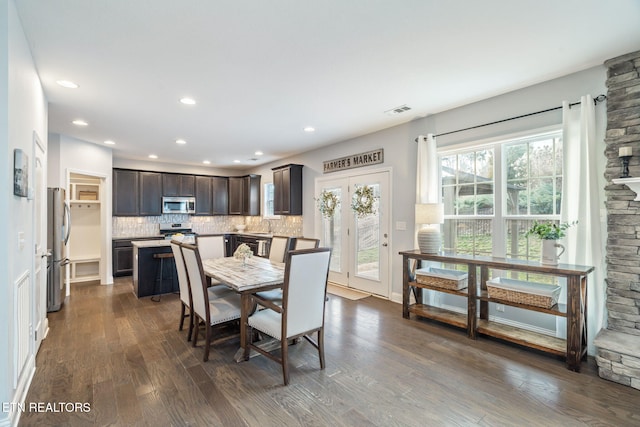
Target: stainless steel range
pixel 168 230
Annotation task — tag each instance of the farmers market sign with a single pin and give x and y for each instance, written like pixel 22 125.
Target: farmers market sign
pixel 355 161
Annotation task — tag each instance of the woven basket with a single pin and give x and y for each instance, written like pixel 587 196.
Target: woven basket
pixel 527 293
pixel 441 278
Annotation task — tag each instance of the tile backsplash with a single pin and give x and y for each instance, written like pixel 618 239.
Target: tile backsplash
pixel 145 226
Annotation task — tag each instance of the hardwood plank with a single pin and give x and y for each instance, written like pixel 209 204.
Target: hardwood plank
pixel 520 336
pixel 127 358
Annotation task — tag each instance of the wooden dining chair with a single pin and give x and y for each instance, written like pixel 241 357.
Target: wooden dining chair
pixel 302 310
pixel 212 246
pixel 277 252
pixel 278 248
pixel 185 294
pixel 212 312
pixel 305 243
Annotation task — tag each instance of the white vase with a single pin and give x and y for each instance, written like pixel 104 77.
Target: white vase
pixel 549 254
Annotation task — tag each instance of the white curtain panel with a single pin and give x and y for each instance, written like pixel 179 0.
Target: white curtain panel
pixel 581 201
pixel 427 185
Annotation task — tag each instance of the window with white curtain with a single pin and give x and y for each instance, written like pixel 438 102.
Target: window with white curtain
pixel 493 192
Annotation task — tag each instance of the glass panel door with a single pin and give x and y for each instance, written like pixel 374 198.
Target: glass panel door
pixel 359 242
pixel 333 235
pixel 369 261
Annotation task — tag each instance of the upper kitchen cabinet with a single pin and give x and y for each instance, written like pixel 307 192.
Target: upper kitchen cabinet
pixel 287 186
pixel 220 195
pixel 150 193
pixel 244 195
pixel 176 185
pixel 203 195
pixel 125 192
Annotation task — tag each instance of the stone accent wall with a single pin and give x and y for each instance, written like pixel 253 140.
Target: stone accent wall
pixel 619 345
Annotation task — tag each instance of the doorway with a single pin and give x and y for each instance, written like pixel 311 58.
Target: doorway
pixel 360 243
pixel 39 310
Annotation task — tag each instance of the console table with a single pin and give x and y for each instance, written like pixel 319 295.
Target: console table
pixel 476 322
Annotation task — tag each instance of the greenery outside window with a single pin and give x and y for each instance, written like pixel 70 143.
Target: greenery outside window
pixel 493 192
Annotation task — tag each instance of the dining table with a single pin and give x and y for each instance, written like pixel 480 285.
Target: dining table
pixel 245 276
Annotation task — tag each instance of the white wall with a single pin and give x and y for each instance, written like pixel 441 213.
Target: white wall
pixel 400 148
pixel 6 160
pixel 23 110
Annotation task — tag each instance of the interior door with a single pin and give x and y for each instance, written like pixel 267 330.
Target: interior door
pixel 360 244
pixel 39 311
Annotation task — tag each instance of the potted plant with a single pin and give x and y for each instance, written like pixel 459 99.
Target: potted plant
pixel 549 233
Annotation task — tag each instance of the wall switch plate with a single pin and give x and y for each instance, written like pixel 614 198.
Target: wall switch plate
pixel 20 240
pixel 401 225
pixel 500 307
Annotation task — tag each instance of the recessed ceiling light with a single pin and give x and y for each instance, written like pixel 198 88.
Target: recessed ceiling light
pixel 68 84
pixel 206 162
pixel 188 101
pixel 109 142
pixel 309 129
pixel 80 123
pixel 237 161
pixel 153 156
pixel 258 153
pixel 180 141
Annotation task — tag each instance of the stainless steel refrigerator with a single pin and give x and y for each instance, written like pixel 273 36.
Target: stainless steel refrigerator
pixel 58 231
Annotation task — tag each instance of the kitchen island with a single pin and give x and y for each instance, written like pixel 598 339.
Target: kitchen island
pixel 154 270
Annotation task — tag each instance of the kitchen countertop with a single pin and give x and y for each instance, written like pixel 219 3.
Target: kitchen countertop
pixel 155 236
pixel 150 243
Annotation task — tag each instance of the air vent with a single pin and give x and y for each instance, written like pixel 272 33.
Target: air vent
pixel 397 110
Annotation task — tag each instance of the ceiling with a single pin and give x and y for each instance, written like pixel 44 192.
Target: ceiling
pixel 261 71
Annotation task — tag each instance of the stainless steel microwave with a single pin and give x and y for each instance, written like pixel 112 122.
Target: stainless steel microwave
pixel 179 205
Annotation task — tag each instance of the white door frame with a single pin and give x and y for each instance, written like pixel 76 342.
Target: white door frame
pixel 39 320
pixel 355 173
pixel 106 278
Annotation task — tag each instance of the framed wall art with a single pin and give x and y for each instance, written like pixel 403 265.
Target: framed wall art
pixel 20 173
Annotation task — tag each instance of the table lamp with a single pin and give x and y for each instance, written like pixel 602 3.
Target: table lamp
pixel 430 216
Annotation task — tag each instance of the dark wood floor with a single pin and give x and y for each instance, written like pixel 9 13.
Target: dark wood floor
pixel 127 359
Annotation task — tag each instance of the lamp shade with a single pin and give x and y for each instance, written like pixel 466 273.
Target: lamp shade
pixel 429 213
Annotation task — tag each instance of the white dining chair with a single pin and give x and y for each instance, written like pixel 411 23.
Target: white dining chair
pixel 302 310
pixel 277 251
pixel 212 312
pixel 305 243
pixel 210 247
pixel 278 248
pixel 185 294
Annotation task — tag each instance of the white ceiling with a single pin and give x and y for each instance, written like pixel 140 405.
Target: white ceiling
pixel 261 71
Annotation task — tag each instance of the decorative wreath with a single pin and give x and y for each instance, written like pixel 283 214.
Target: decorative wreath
pixel 363 201
pixel 328 202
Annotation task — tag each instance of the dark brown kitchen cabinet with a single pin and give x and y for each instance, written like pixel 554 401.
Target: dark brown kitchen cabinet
pixel 123 255
pixel 203 195
pixel 125 192
pixel 244 195
pixel 287 186
pixel 123 260
pixel 176 185
pixel 220 195
pixel 150 193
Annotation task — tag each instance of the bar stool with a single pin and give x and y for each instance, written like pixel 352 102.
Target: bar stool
pixel 160 277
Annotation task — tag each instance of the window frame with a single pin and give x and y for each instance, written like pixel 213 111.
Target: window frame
pixel 499 217
pixel 266 199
